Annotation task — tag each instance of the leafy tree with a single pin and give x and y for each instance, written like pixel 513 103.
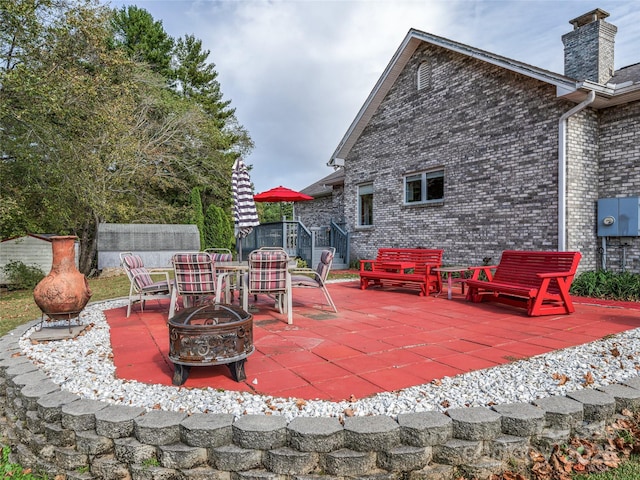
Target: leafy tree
pixel 90 134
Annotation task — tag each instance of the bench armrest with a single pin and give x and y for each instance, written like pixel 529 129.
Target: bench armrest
pixel 482 267
pixel 372 264
pixel 487 269
pixel 429 266
pixel 554 274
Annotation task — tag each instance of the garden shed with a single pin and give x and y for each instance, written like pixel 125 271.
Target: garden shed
pixel 155 243
pixel 31 249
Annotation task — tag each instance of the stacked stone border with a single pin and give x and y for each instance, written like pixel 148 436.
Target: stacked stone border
pixel 59 433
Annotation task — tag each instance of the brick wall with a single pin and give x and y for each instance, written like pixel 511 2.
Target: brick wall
pixel 495 134
pixel 619 173
pixel 320 212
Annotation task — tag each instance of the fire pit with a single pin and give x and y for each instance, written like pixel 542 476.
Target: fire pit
pixel 210 335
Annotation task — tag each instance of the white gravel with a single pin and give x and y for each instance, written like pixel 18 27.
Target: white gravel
pixel 84 366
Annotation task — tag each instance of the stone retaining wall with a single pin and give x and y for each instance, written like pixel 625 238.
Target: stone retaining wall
pixel 57 432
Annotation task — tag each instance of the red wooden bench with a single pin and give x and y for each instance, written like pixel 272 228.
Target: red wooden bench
pixel 403 266
pixel 537 281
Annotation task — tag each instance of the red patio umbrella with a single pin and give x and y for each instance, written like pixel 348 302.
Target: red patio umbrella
pixel 281 194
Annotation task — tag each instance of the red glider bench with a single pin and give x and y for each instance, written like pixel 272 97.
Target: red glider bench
pixel 537 281
pixel 403 266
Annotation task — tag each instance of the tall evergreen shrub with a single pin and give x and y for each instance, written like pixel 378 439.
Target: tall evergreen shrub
pixel 198 214
pixel 218 229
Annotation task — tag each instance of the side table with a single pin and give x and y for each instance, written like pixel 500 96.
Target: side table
pixel 450 280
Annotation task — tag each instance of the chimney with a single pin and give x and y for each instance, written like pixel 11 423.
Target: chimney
pixel 588 49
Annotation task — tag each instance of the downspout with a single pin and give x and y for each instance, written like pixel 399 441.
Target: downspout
pixel 562 169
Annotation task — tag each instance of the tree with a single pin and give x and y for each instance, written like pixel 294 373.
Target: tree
pixel 218 228
pixel 142 38
pixel 89 134
pixel 197 214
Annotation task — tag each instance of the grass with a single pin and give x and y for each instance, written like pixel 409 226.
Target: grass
pixel 627 471
pixel 17 307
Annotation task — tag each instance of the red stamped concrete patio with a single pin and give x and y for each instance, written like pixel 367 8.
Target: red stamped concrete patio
pixel 381 340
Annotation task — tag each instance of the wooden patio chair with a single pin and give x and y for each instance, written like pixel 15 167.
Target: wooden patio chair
pixel 196 281
pixel 309 278
pixel 142 286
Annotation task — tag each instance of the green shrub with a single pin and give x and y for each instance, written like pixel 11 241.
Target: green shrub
pixel 21 276
pixel 608 285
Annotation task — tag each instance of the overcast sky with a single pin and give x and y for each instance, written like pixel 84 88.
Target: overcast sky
pixel 298 71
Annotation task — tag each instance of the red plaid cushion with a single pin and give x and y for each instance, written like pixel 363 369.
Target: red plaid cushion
pixel 221 257
pixel 268 271
pixel 194 273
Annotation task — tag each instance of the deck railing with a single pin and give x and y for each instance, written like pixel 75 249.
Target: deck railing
pixel 297 239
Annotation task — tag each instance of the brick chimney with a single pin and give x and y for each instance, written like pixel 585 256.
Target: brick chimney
pixel 588 49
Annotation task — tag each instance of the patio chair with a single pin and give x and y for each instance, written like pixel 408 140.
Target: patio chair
pixel 309 278
pixel 220 254
pixel 196 281
pixel 223 255
pixel 269 274
pixel 142 286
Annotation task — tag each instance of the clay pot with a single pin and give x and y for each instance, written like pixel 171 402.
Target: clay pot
pixel 65 291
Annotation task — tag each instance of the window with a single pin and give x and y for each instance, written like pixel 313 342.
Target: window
pixel 365 205
pixel 425 187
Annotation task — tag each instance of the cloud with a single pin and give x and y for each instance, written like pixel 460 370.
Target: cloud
pixel 297 72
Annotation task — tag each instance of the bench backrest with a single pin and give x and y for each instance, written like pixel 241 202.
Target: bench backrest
pixel 420 256
pixel 518 267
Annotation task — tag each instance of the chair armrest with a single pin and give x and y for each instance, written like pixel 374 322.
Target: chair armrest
pixel 305 271
pixel 219 279
pixel 554 274
pixel 160 269
pixel 301 270
pixel 155 273
pixel 151 273
pixel 372 264
pixel 429 266
pixel 482 268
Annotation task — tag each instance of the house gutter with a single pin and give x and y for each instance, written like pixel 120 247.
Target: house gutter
pixel 562 169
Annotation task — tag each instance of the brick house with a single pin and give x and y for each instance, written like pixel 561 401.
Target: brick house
pixel 461 149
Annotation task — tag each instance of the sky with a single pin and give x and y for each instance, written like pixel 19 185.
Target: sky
pixel 298 71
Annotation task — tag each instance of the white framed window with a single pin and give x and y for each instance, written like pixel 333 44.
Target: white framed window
pixel 424 187
pixel 365 205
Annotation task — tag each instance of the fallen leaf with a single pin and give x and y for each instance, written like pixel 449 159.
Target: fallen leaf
pixel 588 379
pixel 561 378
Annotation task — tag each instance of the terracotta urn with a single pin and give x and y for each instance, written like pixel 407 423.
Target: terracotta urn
pixel 63 293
